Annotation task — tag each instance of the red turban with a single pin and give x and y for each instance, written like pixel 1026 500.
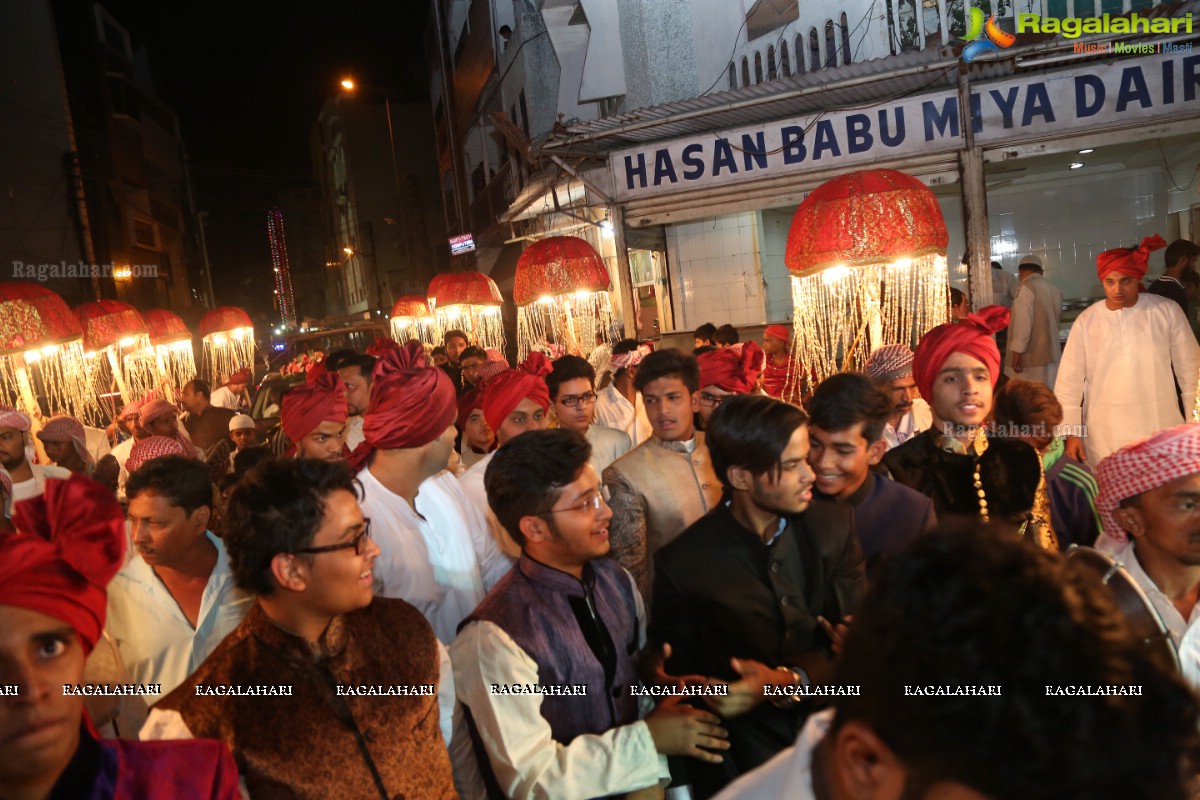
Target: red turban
pixel 732 371
pixel 779 332
pixel 381 345
pixel 320 398
pixel 153 447
pixel 69 545
pixel 1131 261
pixel 1139 467
pixel 470 400
pixel 241 376
pixel 971 335
pixel 411 403
pixel 505 392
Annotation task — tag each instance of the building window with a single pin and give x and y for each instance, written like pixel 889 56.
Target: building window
pixel 784 66
pixel 814 50
pixel 846 54
pixel 800 65
pixel 771 72
pixel 745 71
pixel 732 76
pixel 758 74
pixel 524 113
pixel 831 59
pixel 144 233
pixel 123 98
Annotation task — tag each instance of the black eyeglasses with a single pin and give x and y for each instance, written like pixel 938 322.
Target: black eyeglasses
pixel 572 400
pixel 592 503
pixel 359 543
pixel 711 400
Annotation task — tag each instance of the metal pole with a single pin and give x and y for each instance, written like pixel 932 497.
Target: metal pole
pixel 375 268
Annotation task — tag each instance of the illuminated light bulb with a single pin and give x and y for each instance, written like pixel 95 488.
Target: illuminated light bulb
pixel 835 274
pixel 546 299
pixel 32 355
pixel 50 349
pixel 218 338
pixel 128 341
pixel 582 294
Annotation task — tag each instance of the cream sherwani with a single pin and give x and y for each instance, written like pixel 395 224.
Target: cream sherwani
pixel 1117 373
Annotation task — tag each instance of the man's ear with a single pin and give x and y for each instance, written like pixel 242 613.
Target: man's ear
pixel 200 518
pixel 862 766
pixel 875 451
pixel 289 572
pixel 696 402
pixel 1130 520
pixel 534 529
pixel 740 478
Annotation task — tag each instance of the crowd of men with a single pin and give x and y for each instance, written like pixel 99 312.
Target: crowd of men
pixel 654 573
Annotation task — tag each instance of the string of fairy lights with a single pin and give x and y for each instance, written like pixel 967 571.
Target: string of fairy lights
pixel 277 239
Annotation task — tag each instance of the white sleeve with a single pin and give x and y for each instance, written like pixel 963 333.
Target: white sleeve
pixel 525 758
pixel 164 725
pixel 1022 320
pixel 1185 358
pixel 467 780
pixel 493 564
pixel 1069 385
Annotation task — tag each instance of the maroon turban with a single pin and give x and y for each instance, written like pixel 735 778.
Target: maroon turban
pixel 320 398
pixel 505 392
pixel 971 335
pixel 69 545
pixel 381 345
pixel 1131 261
pixel 779 332
pixel 411 403
pixel 241 376
pixel 470 400
pixel 730 370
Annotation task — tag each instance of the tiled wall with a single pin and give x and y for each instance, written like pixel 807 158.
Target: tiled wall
pixel 715 271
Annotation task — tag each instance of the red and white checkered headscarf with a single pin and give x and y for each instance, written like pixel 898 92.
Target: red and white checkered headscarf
pixel 131 410
pixel 153 447
pixel 67 429
pixel 889 362
pixel 12 418
pixel 6 482
pixel 1139 467
pixel 630 359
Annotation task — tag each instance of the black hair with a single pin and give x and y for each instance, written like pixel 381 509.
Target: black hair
pixel 667 363
pixel 250 457
pixel 1180 248
pixel 705 332
pixel 435 351
pixel 956 296
pixel 472 351
pixel 568 368
pixel 997 265
pixel 454 333
pixel 751 431
pixel 726 335
pixel 197 385
pixel 181 480
pixel 278 508
pixel 336 360
pixel 967 606
pixel 364 362
pixel 527 474
pixel 1031 266
pixel 846 399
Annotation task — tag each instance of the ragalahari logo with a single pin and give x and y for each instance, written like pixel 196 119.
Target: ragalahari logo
pixel 984 36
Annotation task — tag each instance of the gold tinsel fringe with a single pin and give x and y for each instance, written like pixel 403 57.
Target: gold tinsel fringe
pixel 571 320
pixel 483 325
pixel 423 329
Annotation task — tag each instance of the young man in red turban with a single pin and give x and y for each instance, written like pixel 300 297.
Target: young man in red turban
pixel 727 372
pixel 435 550
pixel 955 463
pixel 781 377
pixel 53 575
pixel 233 395
pixel 514 401
pixel 1130 365
pixel 314 416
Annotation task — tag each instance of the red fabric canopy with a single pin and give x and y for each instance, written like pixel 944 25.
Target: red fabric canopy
pixel 411 305
pixel 558 265
pixel 223 319
pixel 165 326
pixel 106 322
pixel 864 217
pixel 465 289
pixel 33 316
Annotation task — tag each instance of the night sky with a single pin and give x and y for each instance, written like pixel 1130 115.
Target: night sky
pixel 247 80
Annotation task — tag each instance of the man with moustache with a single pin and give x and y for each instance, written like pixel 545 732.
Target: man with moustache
pixel 65 442
pixel 1149 504
pixel 782 378
pixel 53 574
pixel 666 483
pixel 845 439
pixel 299 543
pixel 314 416
pixel 175 600
pixel 572 387
pixel 435 550
pixel 726 372
pixel 619 405
pixel 890 366
pixel 955 463
pixel 355 370
pixel 751 592
pixel 1117 378
pixel 28 479
pixel 565 615
pixel 205 423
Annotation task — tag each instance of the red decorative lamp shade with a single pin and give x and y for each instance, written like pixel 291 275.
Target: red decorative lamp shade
pixel 556 266
pixel 33 316
pixel 464 289
pixel 165 326
pixel 106 322
pixel 867 254
pixel 223 319
pixel 864 217
pixel 411 305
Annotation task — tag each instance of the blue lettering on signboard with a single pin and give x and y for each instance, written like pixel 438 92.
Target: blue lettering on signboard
pixel 1133 87
pixel 695 166
pixel 890 139
pixel 1037 103
pixel 1084 84
pixel 663 168
pixel 723 158
pixel 754 150
pixel 945 119
pixel 826 140
pixel 858 132
pixel 639 171
pixel 794 150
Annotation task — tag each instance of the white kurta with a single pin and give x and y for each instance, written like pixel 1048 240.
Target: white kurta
pixel 789 773
pixel 37 484
pixel 223 397
pixel 440 560
pixel 918 419
pixel 1185 633
pixel 473 489
pixel 1116 373
pixel 614 411
pixel 156 642
pixel 608 444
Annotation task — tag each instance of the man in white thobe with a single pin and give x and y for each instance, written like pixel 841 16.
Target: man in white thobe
pixel 1117 378
pixel 1034 349
pixel 619 405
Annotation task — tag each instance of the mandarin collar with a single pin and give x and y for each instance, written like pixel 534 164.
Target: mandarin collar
pixel 556 579
pixel 294 647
